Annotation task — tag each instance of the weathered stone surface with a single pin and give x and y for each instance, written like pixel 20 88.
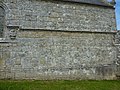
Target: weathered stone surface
pixel 61 55
pixel 118 54
pixel 2 17
pixel 56 15
pixel 57 40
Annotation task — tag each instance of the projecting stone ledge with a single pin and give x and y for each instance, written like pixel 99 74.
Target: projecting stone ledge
pixel 94 2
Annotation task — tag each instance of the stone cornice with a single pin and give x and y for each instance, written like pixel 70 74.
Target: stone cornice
pixel 104 3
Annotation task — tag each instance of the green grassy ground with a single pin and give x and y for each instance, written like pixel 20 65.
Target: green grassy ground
pixel 59 85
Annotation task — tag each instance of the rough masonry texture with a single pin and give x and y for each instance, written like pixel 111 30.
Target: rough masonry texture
pixel 52 39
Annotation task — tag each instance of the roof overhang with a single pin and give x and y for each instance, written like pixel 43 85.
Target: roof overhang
pixel 106 3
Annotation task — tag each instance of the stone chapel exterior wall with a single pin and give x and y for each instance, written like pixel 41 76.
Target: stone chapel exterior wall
pixel 47 40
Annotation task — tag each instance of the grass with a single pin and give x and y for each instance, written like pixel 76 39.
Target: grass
pixel 59 85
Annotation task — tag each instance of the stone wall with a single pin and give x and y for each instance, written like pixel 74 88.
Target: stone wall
pixel 56 15
pixel 57 40
pixel 59 55
pixel 118 54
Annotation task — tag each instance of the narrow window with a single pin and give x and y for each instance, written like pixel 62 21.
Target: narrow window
pixel 2 17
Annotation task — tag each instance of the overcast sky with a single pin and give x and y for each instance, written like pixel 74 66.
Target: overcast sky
pixel 118 14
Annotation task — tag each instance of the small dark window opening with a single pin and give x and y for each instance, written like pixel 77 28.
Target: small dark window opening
pixel 2 19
